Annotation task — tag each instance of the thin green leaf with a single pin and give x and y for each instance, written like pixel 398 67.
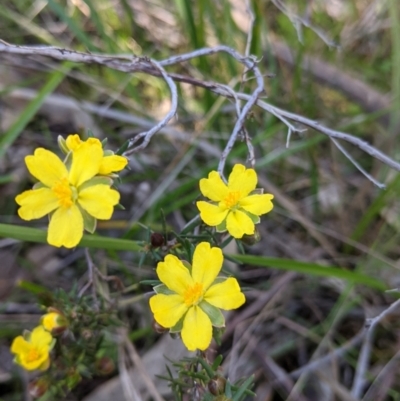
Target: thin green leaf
pixel 90 241
pixel 31 109
pixel 311 268
pixel 243 388
pixel 72 24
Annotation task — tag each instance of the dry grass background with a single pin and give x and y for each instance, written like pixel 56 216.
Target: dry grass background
pixel 327 213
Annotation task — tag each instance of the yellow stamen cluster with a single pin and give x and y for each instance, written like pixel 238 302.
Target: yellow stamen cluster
pixel 193 295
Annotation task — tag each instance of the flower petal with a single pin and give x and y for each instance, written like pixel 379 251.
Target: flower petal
pixel 40 337
pixel 167 309
pixel 257 204
pixel 226 295
pixel 197 330
pixel 73 142
pixel 36 203
pixel 66 227
pixel 41 361
pixel 238 224
pixel 212 215
pixel 111 164
pixel 242 179
pixel 174 274
pixel 46 166
pixel 99 201
pixel 207 263
pixel 19 345
pixel 213 187
pixel 86 160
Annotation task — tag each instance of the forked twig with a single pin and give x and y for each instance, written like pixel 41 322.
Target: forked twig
pixel 363 359
pixel 131 63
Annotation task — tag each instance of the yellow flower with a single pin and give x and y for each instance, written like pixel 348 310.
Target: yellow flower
pixel 54 322
pixel 189 300
pixel 32 350
pixel 70 192
pixel 110 163
pixel 236 205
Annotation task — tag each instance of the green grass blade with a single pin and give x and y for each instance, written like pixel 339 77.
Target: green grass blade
pixel 90 241
pixel 27 25
pixel 72 24
pixel 100 26
pixel 312 269
pixel 31 109
pixel 394 12
pixel 373 210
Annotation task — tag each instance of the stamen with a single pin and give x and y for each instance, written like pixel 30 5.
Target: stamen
pixel 193 295
pixel 63 192
pixel 232 199
pixel 33 355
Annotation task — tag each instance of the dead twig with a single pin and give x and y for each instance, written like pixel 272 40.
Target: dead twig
pixel 363 359
pixel 143 64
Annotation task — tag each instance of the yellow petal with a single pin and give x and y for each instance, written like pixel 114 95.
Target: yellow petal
pixel 174 274
pixel 50 321
pixel 207 263
pixel 36 203
pixel 167 309
pixel 40 362
pixel 66 227
pixel 45 364
pixel 242 179
pixel 19 345
pixel 86 160
pixel 225 295
pixel 94 141
pixel 46 167
pixel 212 215
pixel 112 164
pixel 99 201
pixel 41 337
pixel 213 187
pixel 238 224
pixel 73 142
pixel 257 204
pixel 197 330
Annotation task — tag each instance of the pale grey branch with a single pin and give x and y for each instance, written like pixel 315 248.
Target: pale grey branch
pixel 131 63
pixel 363 359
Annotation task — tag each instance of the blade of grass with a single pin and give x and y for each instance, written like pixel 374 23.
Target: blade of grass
pixel 394 12
pixel 90 241
pixel 73 25
pixel 311 268
pixel 374 209
pixel 31 109
pixel 99 23
pixel 28 26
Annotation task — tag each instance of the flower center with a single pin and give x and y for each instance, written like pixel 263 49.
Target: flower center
pixel 193 295
pixel 32 355
pixel 63 192
pixel 232 199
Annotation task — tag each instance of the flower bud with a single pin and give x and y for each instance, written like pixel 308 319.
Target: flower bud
pixel 38 387
pixel 87 334
pixel 104 366
pixel 251 239
pixel 158 328
pixel 216 386
pixel 157 240
pixel 54 321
